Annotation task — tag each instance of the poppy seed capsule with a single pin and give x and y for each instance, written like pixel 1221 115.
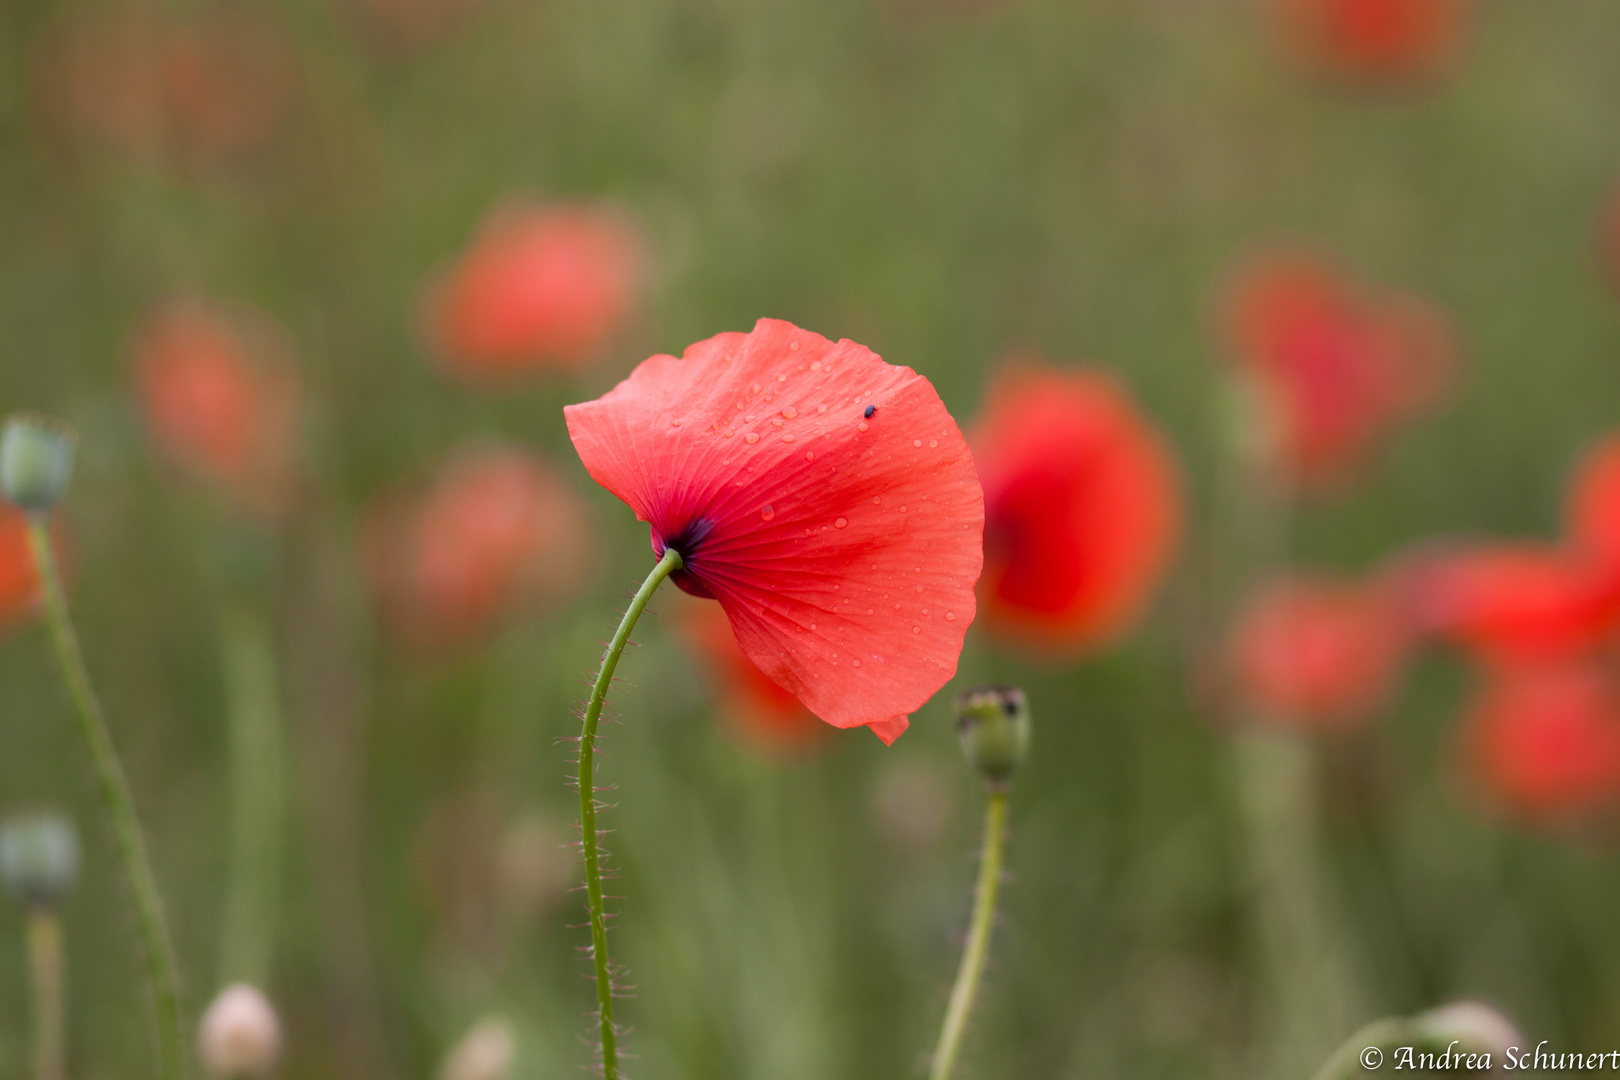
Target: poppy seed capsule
pixel 993 724
pixel 239 1035
pixel 39 857
pixel 36 461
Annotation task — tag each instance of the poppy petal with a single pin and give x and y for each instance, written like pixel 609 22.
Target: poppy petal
pixel 824 497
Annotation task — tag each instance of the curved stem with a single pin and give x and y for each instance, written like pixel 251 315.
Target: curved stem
pixel 1346 1060
pixel 587 806
pixel 978 942
pixel 45 969
pixel 257 814
pixel 160 966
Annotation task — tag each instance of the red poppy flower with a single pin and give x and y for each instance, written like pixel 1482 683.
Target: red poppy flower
pixel 1082 507
pixel 147 83
pixel 498 533
pixel 20 593
pixel 1593 513
pixel 538 288
pixel 221 399
pixel 1513 602
pixel 1380 41
pixel 1335 363
pixel 825 498
pixel 1544 743
pixel 1318 653
pixel 763 713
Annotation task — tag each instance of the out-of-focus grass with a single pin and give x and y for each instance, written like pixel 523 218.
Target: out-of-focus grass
pixel 1069 177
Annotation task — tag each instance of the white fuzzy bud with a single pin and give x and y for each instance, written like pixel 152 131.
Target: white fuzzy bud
pixel 239 1035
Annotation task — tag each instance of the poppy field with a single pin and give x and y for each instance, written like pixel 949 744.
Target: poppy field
pixel 473 469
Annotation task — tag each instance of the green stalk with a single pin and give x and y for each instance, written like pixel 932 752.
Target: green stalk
pixel 587 806
pixel 257 818
pixel 977 950
pixel 161 971
pixel 1346 1062
pixel 45 970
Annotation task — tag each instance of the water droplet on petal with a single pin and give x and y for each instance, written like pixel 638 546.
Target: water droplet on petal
pixel 793 346
pixel 902 508
pixel 919 588
pixel 783 378
pixel 916 629
pixel 815 365
pixel 869 611
pixel 821 408
pixel 812 626
pixel 790 412
pixel 809 455
pixel 916 442
pixel 757 388
pixel 767 511
pixel 840 523
pixel 877 499
pixel 751 437
pixel 676 422
pixel 854 663
pixel 950 616
pixel 933 442
pixel 862 426
pixel 787 438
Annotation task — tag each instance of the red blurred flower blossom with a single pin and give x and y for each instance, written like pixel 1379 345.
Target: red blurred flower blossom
pixel 539 288
pixel 1592 515
pixel 1512 603
pixel 498 533
pixel 825 498
pixel 1544 742
pixel 763 713
pixel 195 90
pixel 20 594
pixel 1082 506
pixel 1319 653
pixel 1374 41
pixel 1335 363
pixel 220 398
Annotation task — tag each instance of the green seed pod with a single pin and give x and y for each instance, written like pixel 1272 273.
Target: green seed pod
pixel 993 724
pixel 39 856
pixel 36 461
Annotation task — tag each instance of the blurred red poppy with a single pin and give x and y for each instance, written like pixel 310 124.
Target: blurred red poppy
pixel 1544 742
pixel 220 397
pixel 539 288
pixel 20 594
pixel 1592 515
pixel 761 712
pixel 1335 363
pixel 1374 41
pixel 824 497
pixel 1083 507
pixel 498 533
pixel 200 89
pixel 1318 653
pixel 1512 602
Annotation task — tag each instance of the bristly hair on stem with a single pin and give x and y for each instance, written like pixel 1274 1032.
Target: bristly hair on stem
pixel 590 838
pixel 161 970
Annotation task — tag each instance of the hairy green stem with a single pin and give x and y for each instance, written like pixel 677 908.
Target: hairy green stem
pixel 978 942
pixel 161 971
pixel 45 971
pixel 667 565
pixel 257 800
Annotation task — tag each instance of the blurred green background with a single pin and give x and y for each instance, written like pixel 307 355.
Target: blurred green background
pixel 942 184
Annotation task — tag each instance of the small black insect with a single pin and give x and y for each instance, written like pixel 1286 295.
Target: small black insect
pixel 870 409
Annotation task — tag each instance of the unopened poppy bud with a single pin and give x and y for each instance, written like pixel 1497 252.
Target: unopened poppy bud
pixel 36 461
pixel 39 857
pixel 993 724
pixel 1473 1025
pixel 239 1035
pixel 484 1053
